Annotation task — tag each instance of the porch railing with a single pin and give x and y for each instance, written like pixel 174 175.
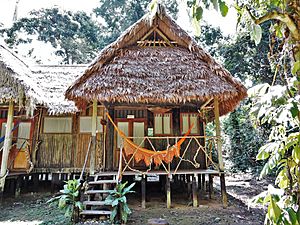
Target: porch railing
pixel 208 147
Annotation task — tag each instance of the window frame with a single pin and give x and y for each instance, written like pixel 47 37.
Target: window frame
pixel 71 131
pixel 189 122
pixel 101 128
pixel 171 124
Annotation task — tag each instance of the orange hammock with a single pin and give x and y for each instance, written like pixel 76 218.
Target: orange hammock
pixel 140 153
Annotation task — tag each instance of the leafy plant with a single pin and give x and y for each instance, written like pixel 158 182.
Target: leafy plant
pixel 68 200
pixel 117 199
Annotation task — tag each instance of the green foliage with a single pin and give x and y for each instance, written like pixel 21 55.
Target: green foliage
pixel 282 209
pixel 121 14
pixel 75 36
pixel 68 200
pixel 244 140
pixel 196 10
pixel 117 199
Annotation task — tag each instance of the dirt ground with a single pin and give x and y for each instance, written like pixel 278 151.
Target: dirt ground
pixel 32 209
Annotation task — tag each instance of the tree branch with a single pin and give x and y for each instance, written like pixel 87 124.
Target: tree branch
pixel 274 15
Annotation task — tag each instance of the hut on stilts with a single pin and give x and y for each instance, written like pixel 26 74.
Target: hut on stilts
pixel 43 136
pixel 159 90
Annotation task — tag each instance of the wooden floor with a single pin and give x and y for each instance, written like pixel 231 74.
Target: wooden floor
pixel 163 172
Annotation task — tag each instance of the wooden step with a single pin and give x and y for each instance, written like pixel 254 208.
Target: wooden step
pixel 95 212
pixel 102 182
pixel 92 192
pixel 95 203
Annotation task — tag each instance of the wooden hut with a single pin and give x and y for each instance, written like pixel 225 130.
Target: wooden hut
pixel 159 87
pixel 50 136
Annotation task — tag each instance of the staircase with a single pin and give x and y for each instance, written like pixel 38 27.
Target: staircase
pixel 98 188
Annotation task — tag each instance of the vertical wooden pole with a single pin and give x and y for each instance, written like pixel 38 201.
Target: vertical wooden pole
pixel 18 186
pixel 110 137
pixel 143 184
pixel 6 145
pixel 168 187
pixel 195 190
pixel 93 144
pixel 219 149
pixel 210 185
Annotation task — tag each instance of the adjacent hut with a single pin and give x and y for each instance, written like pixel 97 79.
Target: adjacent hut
pixel 48 138
pixel 16 88
pixel 159 89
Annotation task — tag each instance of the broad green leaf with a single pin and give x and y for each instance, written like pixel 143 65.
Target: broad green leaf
pixel 262 155
pixel 198 13
pixel 296 67
pixel 256 33
pixel 113 214
pixel 275 211
pixel 223 8
pixel 296 154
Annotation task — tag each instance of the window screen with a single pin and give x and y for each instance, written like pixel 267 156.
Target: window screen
pixel 123 126
pixel 85 124
pixel 194 120
pixel 23 133
pixel 187 120
pixel 139 133
pixel 58 125
pixel 162 123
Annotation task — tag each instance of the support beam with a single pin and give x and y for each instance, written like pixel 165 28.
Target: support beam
pixel 6 145
pixel 93 144
pixel 218 134
pixel 110 141
pixel 195 191
pixel 143 185
pixel 219 149
pixel 210 186
pixel 168 187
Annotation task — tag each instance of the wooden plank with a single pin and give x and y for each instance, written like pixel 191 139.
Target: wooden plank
pixel 102 182
pixel 93 192
pixel 110 142
pixel 95 203
pixel 218 133
pixel 6 146
pixel 95 212
pixel 93 145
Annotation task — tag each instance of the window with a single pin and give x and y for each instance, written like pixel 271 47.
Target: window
pixel 60 125
pixel 162 123
pixel 187 120
pixel 23 133
pixel 85 124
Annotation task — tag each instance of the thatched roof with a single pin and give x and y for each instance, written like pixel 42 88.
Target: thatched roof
pixel 16 80
pixel 43 85
pixel 126 73
pixel 53 80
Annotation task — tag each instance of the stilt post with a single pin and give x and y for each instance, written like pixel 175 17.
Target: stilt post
pixel 195 190
pixel 219 149
pixel 6 145
pixel 93 144
pixel 143 184
pixel 168 187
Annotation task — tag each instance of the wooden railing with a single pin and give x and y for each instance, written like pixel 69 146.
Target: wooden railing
pixel 208 146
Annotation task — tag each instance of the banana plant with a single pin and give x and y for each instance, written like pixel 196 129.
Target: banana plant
pixel 68 200
pixel 117 199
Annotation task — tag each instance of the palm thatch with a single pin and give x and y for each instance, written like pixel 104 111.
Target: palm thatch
pixel 16 80
pixel 42 85
pixel 127 73
pixel 53 81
